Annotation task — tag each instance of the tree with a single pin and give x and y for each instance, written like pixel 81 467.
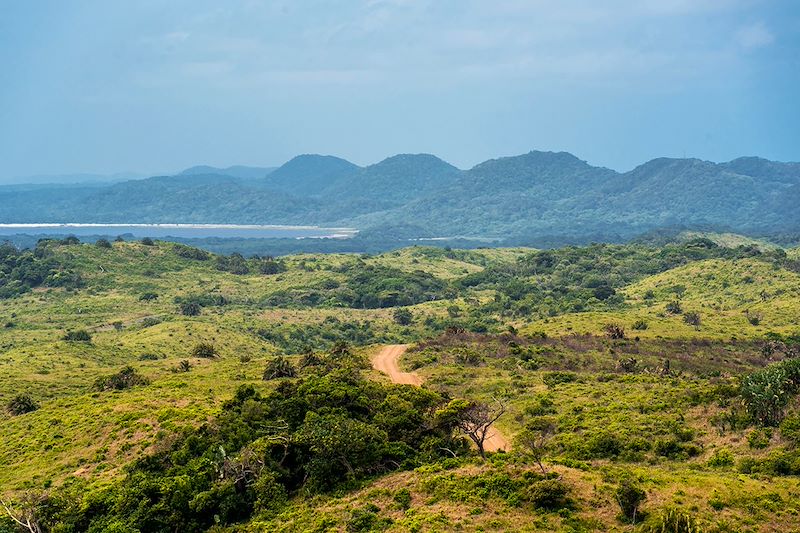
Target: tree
pixel 403 316
pixel 147 241
pixel 474 419
pixel 102 243
pixel 535 438
pixel 26 516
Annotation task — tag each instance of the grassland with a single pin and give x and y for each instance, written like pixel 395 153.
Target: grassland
pixel 486 326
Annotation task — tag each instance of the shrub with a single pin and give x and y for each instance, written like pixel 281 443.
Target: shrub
pixel 671 520
pixel 790 429
pixel 692 318
pixel 183 366
pixel 147 241
pixel 80 335
pixel 614 331
pixel 102 243
pixel 279 367
pixel 204 350
pixel 148 297
pixel 604 445
pixel 674 308
pixel 367 519
pixel 148 357
pixel 629 497
pixel 270 267
pixel 722 457
pixel 190 252
pixel 124 379
pixel 150 321
pixel 766 393
pixel 549 494
pixel 402 498
pixel 191 309
pixel 21 404
pixel 639 325
pixel 628 364
pixel 403 316
pixel 758 439
pixel 551 379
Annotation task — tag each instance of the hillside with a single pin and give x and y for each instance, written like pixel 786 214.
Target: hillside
pixel 535 197
pixel 240 362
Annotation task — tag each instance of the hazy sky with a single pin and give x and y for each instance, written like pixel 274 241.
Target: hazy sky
pixel 154 85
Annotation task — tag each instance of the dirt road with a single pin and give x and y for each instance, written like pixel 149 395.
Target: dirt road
pixel 386 361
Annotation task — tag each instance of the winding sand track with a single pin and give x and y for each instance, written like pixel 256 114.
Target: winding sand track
pixel 386 361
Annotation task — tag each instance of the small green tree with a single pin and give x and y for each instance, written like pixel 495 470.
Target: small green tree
pixel 102 243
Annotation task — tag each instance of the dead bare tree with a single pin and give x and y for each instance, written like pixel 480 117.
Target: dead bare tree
pixel 25 517
pixel 477 419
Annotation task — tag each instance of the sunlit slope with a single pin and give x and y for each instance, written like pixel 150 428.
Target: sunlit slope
pixel 739 298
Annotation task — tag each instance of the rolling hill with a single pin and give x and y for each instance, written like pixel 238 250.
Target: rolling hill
pixel 511 198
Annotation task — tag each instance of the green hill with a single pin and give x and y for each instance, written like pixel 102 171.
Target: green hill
pixel 199 433
pixel 532 198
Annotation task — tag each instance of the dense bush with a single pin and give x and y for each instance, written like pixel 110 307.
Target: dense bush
pixel 191 309
pixel 313 434
pixel 124 379
pixel 767 392
pixel 671 520
pixel 373 286
pixel 204 350
pixel 21 271
pixel 21 404
pixel 80 335
pixel 190 252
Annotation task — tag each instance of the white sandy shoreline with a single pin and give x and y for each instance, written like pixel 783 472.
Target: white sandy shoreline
pixel 176 226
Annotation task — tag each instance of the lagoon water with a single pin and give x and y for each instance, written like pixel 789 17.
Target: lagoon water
pixel 187 231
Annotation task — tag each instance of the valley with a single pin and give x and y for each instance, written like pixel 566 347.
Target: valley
pixel 610 368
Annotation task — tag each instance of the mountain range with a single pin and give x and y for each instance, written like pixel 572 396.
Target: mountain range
pixel 419 195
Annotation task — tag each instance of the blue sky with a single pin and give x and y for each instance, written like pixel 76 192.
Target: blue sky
pixel 154 86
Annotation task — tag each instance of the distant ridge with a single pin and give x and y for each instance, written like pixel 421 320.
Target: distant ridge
pixel 308 174
pixel 236 171
pixel 553 194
